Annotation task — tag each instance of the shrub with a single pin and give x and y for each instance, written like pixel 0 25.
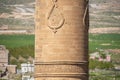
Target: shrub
pixel 100 65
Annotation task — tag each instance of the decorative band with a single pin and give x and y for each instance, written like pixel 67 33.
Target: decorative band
pixel 61 63
pixel 60 75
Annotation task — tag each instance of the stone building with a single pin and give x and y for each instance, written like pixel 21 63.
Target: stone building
pixel 25 77
pixel 4 55
pixel 12 68
pixel 4 61
pixel 27 68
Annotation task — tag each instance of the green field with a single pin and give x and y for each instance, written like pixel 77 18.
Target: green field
pixel 15 41
pixel 23 45
pixel 105 75
pixel 96 41
pixel 103 41
pixel 19 46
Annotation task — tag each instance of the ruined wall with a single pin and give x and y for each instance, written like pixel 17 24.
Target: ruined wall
pixel 61 40
pixel 4 55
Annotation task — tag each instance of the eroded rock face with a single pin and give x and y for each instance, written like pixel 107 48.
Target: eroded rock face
pixel 61 42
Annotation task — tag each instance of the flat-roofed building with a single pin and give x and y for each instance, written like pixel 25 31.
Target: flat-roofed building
pixel 27 67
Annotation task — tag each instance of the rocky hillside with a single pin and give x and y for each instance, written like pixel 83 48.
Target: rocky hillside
pixel 105 14
pixel 17 14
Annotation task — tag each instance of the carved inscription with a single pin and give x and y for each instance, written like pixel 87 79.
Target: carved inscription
pixel 61 69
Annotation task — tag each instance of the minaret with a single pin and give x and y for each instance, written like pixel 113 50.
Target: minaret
pixel 61 40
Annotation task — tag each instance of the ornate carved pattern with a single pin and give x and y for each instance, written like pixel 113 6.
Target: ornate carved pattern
pixel 61 69
pixel 51 22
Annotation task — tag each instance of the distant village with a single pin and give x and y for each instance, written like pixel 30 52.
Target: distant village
pixel 101 56
pixel 27 69
pixel 6 69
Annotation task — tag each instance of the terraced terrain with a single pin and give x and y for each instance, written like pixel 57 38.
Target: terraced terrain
pixel 104 16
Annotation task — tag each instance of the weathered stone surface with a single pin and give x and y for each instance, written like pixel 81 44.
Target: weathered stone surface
pixel 61 68
pixel 61 42
pixel 4 54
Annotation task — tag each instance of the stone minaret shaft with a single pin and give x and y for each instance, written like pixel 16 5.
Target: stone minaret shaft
pixel 61 40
